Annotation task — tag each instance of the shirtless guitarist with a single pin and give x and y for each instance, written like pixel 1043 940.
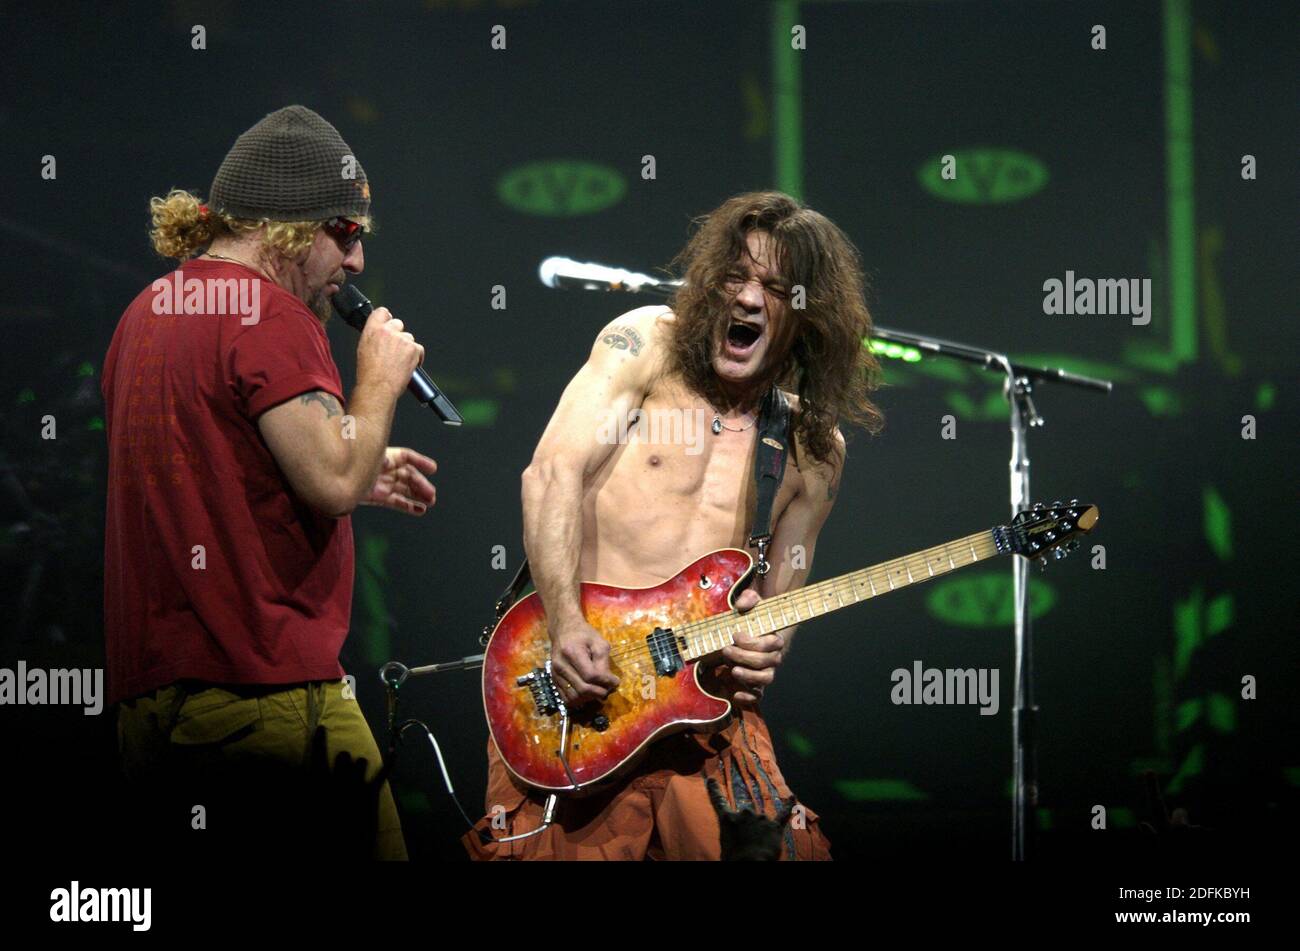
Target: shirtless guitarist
pixel 772 297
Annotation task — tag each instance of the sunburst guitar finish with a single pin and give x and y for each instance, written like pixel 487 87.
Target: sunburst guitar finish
pixel 648 703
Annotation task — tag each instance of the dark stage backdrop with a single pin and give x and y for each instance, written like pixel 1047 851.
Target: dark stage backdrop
pixel 1112 163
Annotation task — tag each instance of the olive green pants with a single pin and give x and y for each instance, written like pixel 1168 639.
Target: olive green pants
pixel 249 768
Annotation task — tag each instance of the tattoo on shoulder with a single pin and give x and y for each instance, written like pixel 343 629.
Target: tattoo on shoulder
pixel 833 483
pixel 332 407
pixel 624 338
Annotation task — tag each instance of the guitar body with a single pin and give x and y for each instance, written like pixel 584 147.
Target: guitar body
pixel 606 737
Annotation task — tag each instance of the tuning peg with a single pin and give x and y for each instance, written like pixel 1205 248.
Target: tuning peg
pixel 1058 553
pixel 1042 563
pixel 1056 504
pixel 1074 501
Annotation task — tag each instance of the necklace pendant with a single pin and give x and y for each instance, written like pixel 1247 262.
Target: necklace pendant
pixel 717 425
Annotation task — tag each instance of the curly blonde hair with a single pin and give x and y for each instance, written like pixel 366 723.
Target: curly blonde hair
pixel 183 226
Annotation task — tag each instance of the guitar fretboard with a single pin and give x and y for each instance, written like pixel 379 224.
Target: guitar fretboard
pixel 710 635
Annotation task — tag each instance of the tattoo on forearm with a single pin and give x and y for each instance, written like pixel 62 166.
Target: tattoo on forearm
pixel 623 338
pixel 332 407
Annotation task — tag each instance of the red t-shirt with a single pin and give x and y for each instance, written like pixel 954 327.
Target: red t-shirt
pixel 268 597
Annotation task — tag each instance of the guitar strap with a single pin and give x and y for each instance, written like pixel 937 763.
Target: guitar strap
pixel 508 597
pixel 769 470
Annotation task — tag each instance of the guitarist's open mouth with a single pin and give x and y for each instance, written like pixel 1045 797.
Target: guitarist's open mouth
pixel 741 338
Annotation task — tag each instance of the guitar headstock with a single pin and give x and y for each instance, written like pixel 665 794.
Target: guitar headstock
pixel 1051 528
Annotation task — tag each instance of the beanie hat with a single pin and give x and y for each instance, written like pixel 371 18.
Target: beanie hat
pixel 291 166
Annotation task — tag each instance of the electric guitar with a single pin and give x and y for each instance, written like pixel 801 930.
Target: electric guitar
pixel 659 636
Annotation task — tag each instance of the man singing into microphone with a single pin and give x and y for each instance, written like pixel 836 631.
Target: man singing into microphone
pixel 772 299
pixel 233 466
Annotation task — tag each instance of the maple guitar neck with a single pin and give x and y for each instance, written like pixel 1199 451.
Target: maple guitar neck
pixel 710 635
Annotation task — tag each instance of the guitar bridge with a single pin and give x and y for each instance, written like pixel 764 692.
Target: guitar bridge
pixel 665 652
pixel 541 685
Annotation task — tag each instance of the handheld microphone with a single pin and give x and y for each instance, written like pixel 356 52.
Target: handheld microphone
pixel 566 273
pixel 355 308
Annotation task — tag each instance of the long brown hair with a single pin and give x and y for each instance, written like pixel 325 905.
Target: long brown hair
pixel 828 364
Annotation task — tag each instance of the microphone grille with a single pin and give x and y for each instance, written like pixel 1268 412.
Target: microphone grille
pixel 547 270
pixel 352 305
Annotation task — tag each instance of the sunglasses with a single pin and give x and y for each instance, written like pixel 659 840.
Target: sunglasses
pixel 345 231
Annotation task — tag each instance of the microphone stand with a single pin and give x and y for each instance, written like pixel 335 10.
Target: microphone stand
pixel 393 674
pixel 1018 388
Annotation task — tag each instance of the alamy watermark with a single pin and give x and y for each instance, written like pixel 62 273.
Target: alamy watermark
pixel 220 297
pixel 75 904
pixel 38 687
pixel 1084 295
pixel 947 686
pixel 657 427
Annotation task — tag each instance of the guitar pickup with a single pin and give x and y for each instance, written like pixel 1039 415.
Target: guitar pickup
pixel 665 653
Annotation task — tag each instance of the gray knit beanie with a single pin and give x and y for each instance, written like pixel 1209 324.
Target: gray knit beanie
pixel 291 166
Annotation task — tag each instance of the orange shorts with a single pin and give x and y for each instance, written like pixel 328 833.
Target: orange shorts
pixel 661 811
